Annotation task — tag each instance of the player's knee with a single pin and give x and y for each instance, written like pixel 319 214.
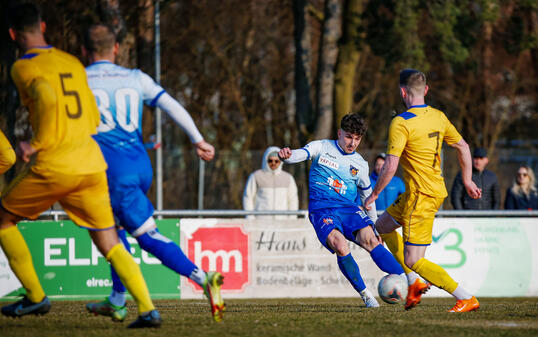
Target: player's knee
pixel 339 244
pixel 151 239
pixel 410 261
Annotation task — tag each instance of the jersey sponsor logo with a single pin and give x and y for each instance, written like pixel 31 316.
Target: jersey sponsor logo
pixel 353 170
pixel 328 163
pixel 327 221
pixel 222 249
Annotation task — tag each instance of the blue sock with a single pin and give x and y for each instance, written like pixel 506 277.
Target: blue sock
pixel 117 286
pixel 385 260
pixel 350 269
pixel 167 251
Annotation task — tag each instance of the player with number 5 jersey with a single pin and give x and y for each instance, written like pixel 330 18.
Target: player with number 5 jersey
pixel 69 167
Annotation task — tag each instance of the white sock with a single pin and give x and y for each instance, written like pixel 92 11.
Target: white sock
pixel 116 298
pixel 461 294
pixel 198 276
pixel 412 277
pixel 366 293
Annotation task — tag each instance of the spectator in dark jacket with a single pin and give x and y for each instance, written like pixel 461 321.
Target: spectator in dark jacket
pixel 523 194
pixel 484 179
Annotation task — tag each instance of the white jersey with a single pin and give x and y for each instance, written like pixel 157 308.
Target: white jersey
pixel 337 178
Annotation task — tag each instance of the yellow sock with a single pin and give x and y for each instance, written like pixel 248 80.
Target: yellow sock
pixel 435 274
pixel 131 276
pixel 20 261
pixel 395 243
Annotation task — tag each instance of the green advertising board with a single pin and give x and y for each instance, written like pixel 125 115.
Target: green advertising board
pixel 69 266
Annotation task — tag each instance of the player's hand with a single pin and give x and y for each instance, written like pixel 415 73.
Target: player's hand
pixel 204 150
pixel 473 191
pixel 369 200
pixel 284 153
pixel 25 151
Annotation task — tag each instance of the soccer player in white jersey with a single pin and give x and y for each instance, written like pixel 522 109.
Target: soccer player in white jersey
pixel 121 94
pixel 338 178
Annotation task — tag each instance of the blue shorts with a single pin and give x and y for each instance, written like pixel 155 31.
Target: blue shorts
pixel 128 197
pixel 347 220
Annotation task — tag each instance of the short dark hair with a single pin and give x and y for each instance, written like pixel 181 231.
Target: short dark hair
pixel 24 17
pixel 99 38
pixel 354 123
pixel 413 80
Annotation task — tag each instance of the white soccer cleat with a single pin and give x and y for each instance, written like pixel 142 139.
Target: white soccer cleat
pixel 369 299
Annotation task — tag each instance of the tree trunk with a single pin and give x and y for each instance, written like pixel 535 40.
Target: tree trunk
pixel 348 58
pixel 304 112
pixel 327 60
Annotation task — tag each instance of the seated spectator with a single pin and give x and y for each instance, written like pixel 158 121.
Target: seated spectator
pixel 395 187
pixel 270 188
pixel 523 194
pixel 484 179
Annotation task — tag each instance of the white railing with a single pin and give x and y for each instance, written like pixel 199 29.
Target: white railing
pixel 226 213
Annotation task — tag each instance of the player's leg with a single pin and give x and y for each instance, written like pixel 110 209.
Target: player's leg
pixel 417 237
pixel 399 213
pixel 329 232
pixel 106 241
pixel 135 211
pixel 367 239
pixel 28 195
pixel 114 304
pixel 89 207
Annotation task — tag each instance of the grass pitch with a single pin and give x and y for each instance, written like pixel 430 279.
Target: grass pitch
pixel 292 317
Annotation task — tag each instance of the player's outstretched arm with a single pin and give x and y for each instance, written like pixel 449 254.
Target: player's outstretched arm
pixel 290 156
pixel 464 157
pixel 182 118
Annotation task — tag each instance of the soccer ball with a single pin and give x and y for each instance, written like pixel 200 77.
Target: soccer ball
pixel 392 289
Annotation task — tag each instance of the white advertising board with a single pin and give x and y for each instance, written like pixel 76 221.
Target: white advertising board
pixel 283 258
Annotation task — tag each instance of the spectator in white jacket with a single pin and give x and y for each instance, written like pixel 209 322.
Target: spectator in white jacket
pixel 270 188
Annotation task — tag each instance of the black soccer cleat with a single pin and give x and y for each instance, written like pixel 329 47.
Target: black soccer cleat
pixel 150 320
pixel 26 307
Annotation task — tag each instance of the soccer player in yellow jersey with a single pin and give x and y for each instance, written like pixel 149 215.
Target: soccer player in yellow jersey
pixel 415 139
pixel 7 155
pixel 68 167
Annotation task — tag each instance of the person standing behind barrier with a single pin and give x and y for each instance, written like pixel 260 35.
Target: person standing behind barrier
pixel 121 94
pixel 484 179
pixel 523 194
pixel 271 188
pixel 66 165
pixel 395 187
pixel 416 137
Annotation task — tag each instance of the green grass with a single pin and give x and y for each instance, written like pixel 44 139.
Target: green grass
pixel 293 317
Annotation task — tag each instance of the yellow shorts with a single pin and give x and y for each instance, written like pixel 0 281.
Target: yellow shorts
pixel 83 197
pixel 415 212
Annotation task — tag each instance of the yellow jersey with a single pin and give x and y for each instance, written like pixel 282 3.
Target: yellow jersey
pixel 7 155
pixel 52 84
pixel 416 136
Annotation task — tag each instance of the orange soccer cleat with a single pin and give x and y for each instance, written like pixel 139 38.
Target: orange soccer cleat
pixel 466 305
pixel 414 292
